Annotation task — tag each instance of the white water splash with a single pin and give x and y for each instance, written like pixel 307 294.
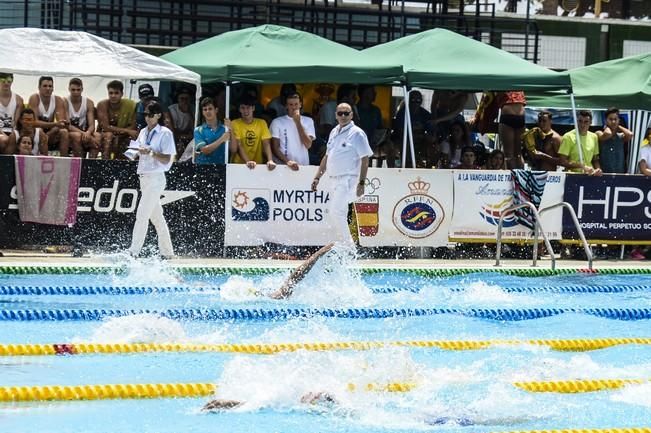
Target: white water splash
pixel 639 395
pixel 139 328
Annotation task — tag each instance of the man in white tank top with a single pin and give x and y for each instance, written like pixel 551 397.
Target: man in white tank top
pixel 11 105
pixel 51 115
pixel 81 115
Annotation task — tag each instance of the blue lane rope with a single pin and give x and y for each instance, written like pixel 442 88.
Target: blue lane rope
pixel 13 290
pixel 502 314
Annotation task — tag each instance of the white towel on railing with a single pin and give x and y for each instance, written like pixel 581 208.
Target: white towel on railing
pixel 47 188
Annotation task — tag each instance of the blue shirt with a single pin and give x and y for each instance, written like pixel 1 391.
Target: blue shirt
pixel 203 136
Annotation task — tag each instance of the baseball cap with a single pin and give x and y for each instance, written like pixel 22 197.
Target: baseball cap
pixel 145 91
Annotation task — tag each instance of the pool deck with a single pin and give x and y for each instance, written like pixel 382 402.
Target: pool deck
pixel 31 258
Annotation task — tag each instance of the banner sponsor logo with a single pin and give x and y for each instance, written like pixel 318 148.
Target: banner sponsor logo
pixel 367 209
pixel 418 214
pixel 491 213
pixel 250 204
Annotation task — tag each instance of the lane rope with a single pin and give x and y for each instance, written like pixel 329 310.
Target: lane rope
pixel 147 390
pixel 14 290
pixel 578 386
pixel 571 345
pixel 217 270
pixel 502 314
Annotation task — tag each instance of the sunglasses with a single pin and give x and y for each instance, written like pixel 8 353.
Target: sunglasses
pixel 343 113
pixel 147 114
pixel 6 80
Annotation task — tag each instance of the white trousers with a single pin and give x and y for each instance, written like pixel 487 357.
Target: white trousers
pixel 152 186
pixel 343 192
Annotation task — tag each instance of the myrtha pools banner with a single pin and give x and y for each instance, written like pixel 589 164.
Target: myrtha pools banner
pixel 405 208
pixel 481 196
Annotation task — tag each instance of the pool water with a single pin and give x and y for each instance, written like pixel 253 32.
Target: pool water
pixel 452 388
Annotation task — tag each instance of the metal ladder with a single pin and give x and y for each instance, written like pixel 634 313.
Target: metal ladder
pixel 539 229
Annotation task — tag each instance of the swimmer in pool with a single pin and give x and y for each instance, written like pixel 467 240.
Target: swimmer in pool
pixel 321 398
pixel 286 290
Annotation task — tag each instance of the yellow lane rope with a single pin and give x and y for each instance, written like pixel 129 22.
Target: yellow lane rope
pixel 590 430
pixel 578 386
pixel 574 345
pixel 146 390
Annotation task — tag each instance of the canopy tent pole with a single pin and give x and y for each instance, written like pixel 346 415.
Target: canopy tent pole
pixel 197 109
pixel 226 114
pixel 404 126
pixel 576 129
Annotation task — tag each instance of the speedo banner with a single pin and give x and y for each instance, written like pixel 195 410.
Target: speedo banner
pixel 109 191
pixel 405 208
pixel 609 207
pixel 481 196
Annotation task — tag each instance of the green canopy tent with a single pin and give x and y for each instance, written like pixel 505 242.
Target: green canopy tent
pixel 441 59
pixel 623 83
pixel 276 54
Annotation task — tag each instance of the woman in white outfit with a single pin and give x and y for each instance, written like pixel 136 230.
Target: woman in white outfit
pixel 156 148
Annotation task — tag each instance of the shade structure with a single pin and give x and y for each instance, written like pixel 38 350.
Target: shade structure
pixel 623 83
pixel 441 59
pixel 276 54
pixel 28 51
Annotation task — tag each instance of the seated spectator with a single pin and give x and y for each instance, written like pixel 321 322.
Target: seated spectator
pixel 26 127
pixel 468 159
pixel 541 144
pixel 81 114
pixel 496 160
pixel 292 135
pixel 277 105
pixel 613 144
pixel 116 118
pixel 370 120
pixel 458 139
pixel 425 146
pixel 569 153
pixel 25 146
pixel 146 95
pixel 447 107
pixel 251 136
pixel 182 118
pixel 327 119
pixel 210 137
pixel 50 112
pixel 11 105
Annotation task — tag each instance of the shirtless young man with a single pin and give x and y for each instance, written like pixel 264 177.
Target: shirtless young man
pixel 51 115
pixel 11 105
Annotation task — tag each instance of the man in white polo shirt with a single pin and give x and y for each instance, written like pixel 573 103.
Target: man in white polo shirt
pixel 292 135
pixel 346 161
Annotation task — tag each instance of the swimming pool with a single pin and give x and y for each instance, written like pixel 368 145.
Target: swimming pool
pixel 264 354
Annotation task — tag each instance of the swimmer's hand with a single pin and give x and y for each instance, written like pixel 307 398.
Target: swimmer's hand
pixel 219 405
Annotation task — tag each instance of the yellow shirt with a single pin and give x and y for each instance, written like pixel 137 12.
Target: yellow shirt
pixel 589 144
pixel 250 136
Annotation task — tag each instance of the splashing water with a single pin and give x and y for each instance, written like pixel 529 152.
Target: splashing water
pixel 139 328
pixel 634 394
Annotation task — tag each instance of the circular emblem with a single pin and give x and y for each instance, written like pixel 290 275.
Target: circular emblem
pixel 418 215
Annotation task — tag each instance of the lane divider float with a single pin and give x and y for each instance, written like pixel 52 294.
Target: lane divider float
pixel 578 386
pixel 570 345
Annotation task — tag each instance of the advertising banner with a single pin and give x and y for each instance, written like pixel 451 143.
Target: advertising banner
pixel 193 204
pixel 276 206
pixel 480 197
pixel 409 207
pixel 609 207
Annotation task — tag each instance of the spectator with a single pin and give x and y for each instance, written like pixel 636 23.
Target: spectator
pixel 146 95
pixel 423 131
pixel 542 143
pixel 251 136
pixel 116 118
pixel 210 136
pixel 11 105
pixel 292 135
pixel 26 145
pixel 447 107
pixel 26 127
pixel 327 120
pixel 495 160
pixel 613 144
pixel 81 114
pixel 370 120
pixel 451 148
pixel 50 112
pixel 644 165
pixel 468 159
pixel 182 118
pixel 278 104
pixel 569 153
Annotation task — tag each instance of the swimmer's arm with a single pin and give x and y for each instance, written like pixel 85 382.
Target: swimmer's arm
pixel 299 273
pixel 218 404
